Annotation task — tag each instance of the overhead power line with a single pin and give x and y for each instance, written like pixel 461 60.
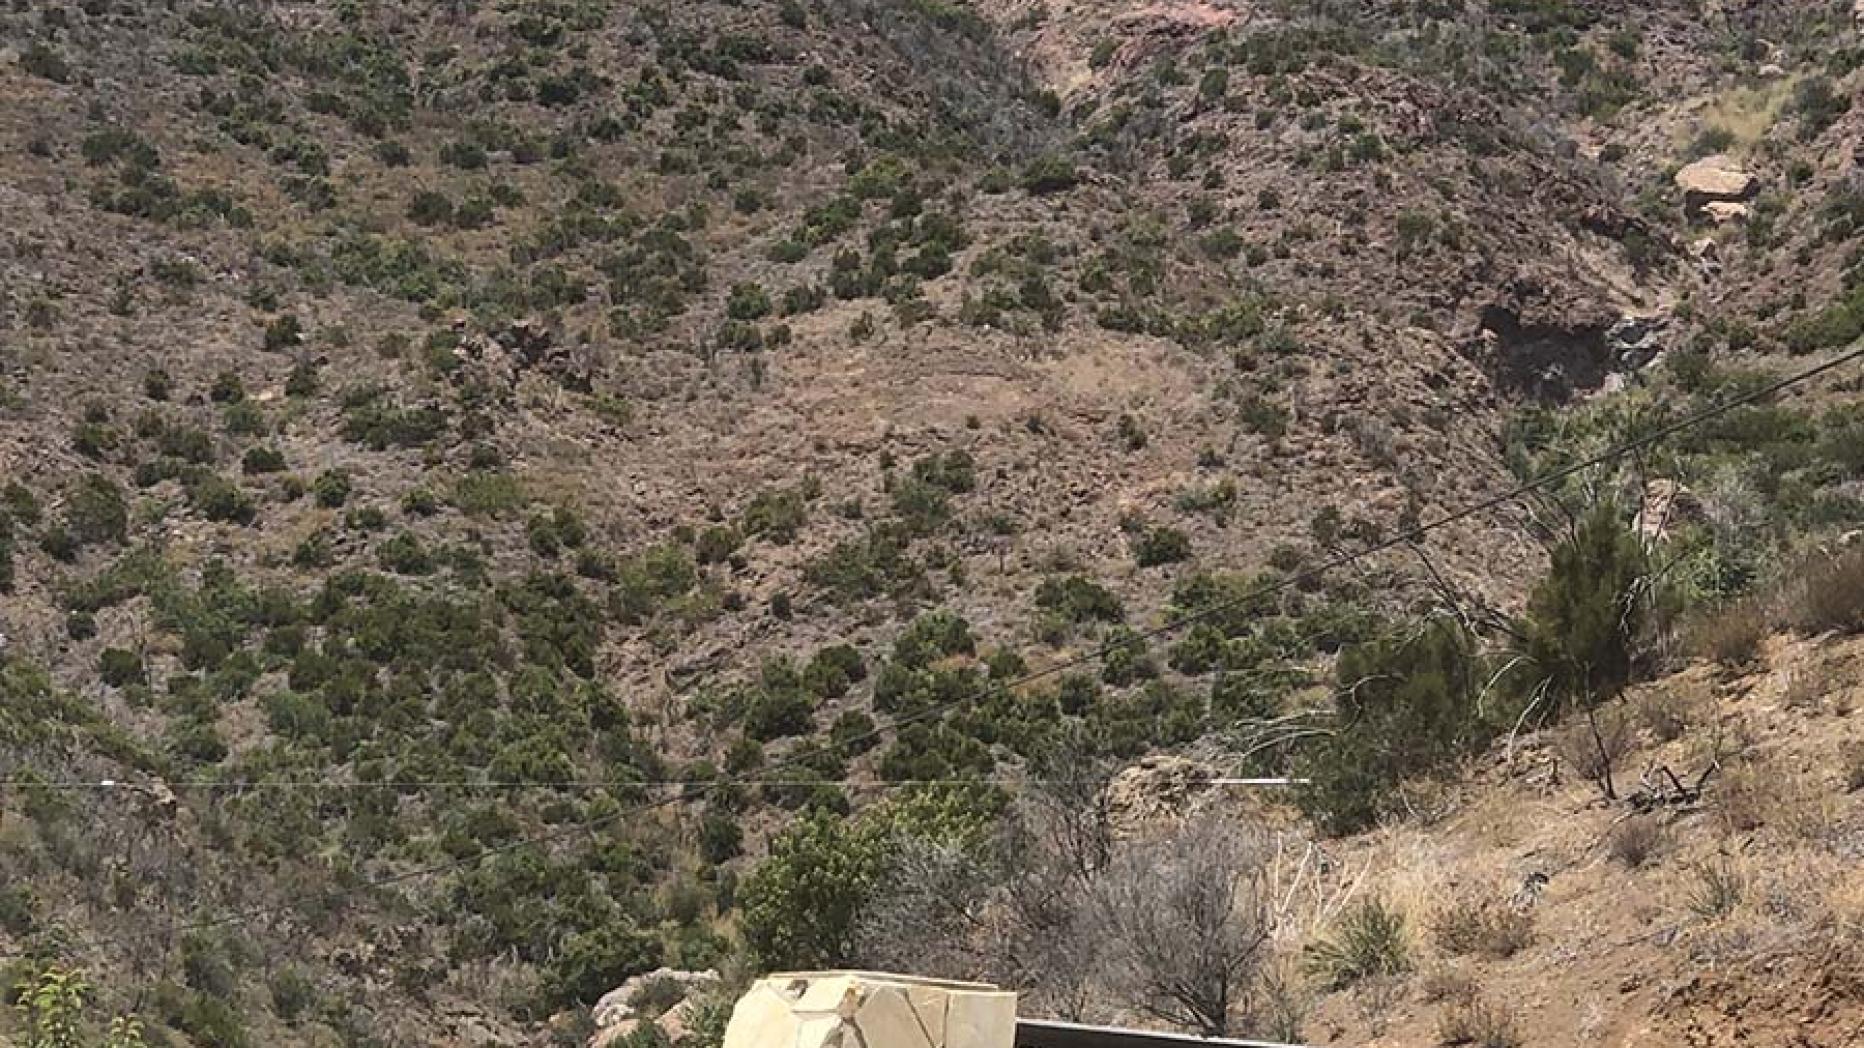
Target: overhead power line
pixel 257 785
pixel 1255 594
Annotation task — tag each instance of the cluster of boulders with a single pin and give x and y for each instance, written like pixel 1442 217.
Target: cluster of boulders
pixel 622 1011
pixel 1156 788
pixel 1716 188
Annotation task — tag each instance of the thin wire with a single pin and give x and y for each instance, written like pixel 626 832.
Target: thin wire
pixel 581 784
pixel 1170 626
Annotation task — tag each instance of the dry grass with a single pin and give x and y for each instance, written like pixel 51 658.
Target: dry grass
pixel 1474 1020
pixel 1829 595
pixel 1744 799
pixel 1666 712
pixel 1851 765
pixel 1636 841
pixel 1594 746
pixel 1747 112
pixel 1482 925
pixel 1445 984
pixel 1806 688
pixel 1719 887
pixel 1731 635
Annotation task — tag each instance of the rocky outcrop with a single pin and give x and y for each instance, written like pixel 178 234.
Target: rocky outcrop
pixel 619 1012
pixel 1714 179
pixel 1153 789
pixel 870 1010
pixel 1666 503
pixel 1635 341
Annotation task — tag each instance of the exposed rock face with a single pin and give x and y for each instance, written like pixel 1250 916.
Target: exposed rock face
pixel 1153 789
pixel 1545 352
pixel 1714 178
pixel 870 1010
pixel 1666 504
pixel 1635 341
pixel 615 1014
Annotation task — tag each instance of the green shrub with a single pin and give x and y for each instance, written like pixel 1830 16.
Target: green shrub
pixel 1585 616
pixel 800 906
pixel 720 839
pixel 219 499
pixel 594 962
pixel 833 671
pixel 1161 545
pixel 95 512
pixel 778 712
pixel 1078 599
pixel 488 493
pixel 646 582
pixel 874 565
pixel 747 302
pixel 922 507
pixel 293 994
pixel 1369 941
pixel 282 333
pixel 262 460
pixel 1050 174
pixel 226 388
pixel 931 637
pixel 119 668
pixel 430 208
pixel 332 488
pixel 1818 105
pixel 775 515
pixel 1407 707
pixel 41 61
pixel 715 545
pixel 405 555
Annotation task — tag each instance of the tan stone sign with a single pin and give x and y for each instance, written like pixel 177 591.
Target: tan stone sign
pixel 870 1010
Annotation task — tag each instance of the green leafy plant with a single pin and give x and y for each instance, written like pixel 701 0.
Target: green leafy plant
pixel 1368 941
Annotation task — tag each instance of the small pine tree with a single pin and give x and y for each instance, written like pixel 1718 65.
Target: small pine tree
pixel 1585 616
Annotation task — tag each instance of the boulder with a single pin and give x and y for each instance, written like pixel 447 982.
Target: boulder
pixel 1635 341
pixel 617 1004
pixel 1723 211
pixel 843 1009
pixel 1666 503
pixel 1714 178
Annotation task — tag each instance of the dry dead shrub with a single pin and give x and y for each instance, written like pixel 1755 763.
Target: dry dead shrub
pixel 1594 744
pixel 1718 889
pixel 1806 688
pixel 1474 1020
pixel 1483 926
pixel 1731 635
pixel 1666 713
pixel 1830 594
pixel 1744 799
pixel 1281 1004
pixel 1445 984
pixel 1851 764
pixel 1637 841
pixel 1375 1000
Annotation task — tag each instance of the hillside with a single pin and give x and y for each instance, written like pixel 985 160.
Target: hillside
pixel 464 420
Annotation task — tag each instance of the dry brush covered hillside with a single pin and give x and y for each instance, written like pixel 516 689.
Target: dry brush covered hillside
pixel 455 421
